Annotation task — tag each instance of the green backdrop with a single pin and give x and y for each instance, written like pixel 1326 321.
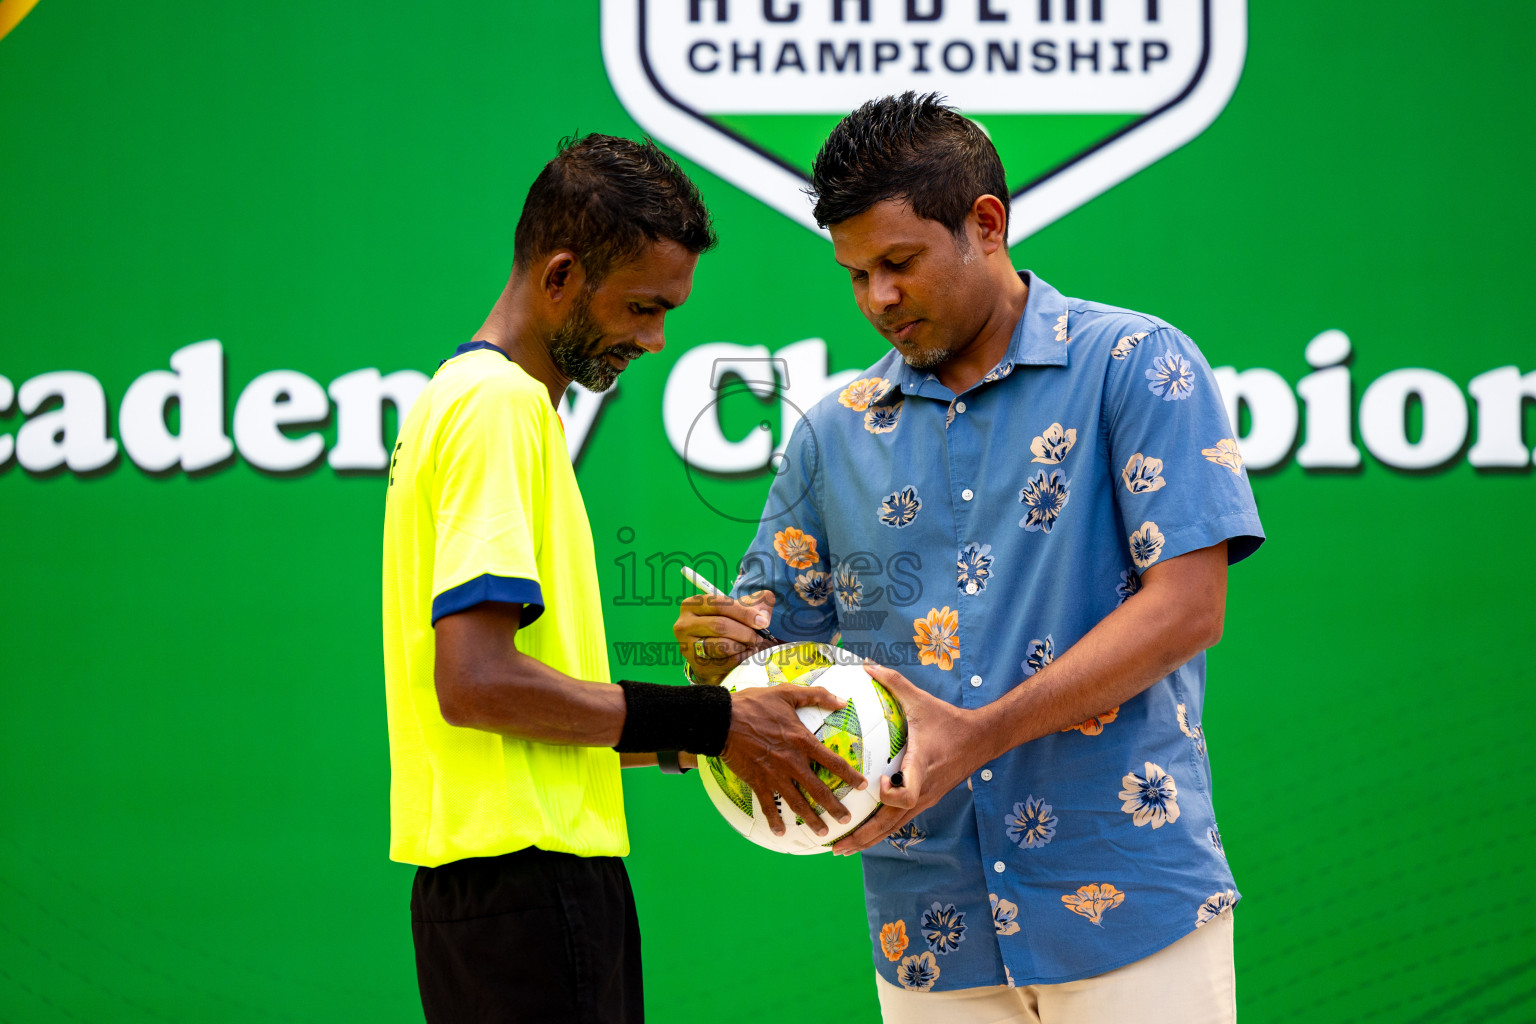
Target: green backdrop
pixel 193 764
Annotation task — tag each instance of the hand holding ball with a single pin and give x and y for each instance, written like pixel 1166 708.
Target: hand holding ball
pixel 869 732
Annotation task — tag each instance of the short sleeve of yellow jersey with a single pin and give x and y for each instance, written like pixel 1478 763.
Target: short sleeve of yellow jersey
pixel 488 486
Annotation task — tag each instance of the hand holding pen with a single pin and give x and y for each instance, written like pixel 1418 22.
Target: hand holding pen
pixel 716 631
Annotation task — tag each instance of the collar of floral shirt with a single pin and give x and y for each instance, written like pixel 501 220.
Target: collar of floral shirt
pixel 1040 338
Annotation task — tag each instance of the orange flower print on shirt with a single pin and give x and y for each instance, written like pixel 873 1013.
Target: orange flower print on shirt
pixel 893 939
pixel 1096 724
pixel 937 637
pixel 859 395
pixel 796 548
pixel 1091 901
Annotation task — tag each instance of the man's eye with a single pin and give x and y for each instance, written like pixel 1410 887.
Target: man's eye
pixel 899 266
pixel 857 275
pixel 639 310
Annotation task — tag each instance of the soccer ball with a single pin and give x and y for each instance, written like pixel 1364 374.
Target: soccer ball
pixel 870 733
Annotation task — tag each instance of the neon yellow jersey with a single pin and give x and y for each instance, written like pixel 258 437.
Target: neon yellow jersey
pixel 483 506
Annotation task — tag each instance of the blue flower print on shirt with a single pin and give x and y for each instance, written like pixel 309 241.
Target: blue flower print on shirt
pixel 1171 377
pixel 1146 545
pixel 1003 914
pixel 1150 799
pixel 881 419
pixel 1143 474
pixel 1046 496
pixel 1216 904
pixel 900 507
pixel 1040 654
pixel 1052 446
pixel 1194 732
pixel 943 927
pixel 917 973
pixel 1031 825
pixel 998 372
pixel 909 835
pixel 848 588
pixel 1214 835
pixel 975 567
pixel 814 587
pixel 1130 583
pixel 1124 345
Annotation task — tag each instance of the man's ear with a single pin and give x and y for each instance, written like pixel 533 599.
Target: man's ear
pixel 991 218
pixel 562 276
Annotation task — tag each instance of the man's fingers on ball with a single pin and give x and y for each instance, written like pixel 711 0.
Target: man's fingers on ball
pixel 815 789
pixel 888 677
pixel 767 800
pixel 798 803
pixel 871 832
pixel 882 824
pixel 814 696
pixel 886 823
pixel 830 760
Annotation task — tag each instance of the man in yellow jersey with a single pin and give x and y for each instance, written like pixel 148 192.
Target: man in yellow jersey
pixel 505 732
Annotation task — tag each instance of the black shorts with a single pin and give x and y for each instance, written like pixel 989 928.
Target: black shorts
pixel 527 936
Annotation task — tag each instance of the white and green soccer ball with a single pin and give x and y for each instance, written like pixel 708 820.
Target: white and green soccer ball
pixel 870 733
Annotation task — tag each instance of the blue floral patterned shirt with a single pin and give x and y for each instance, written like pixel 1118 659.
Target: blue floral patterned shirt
pixel 967 540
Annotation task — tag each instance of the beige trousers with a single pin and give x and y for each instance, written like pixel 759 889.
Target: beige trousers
pixel 1189 982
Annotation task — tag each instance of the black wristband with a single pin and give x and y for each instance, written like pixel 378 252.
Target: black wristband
pixel 692 718
pixel 670 763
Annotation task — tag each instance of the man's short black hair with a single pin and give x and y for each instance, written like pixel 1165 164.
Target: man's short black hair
pixel 605 198
pixel 907 147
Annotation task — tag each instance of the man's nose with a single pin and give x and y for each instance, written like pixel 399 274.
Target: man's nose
pixel 882 294
pixel 653 338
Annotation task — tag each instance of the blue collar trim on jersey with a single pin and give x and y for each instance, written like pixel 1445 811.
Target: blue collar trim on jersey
pixel 470 346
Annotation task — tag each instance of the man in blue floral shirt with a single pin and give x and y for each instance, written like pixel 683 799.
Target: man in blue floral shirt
pixel 1029 505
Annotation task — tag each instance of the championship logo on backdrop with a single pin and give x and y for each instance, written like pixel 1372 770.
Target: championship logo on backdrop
pixel 1077 95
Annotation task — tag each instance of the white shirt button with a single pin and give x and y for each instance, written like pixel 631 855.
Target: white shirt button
pixel 975 680
pixel 986 775
pixel 967 494
pixel 970 587
pixel 999 866
pixel 959 407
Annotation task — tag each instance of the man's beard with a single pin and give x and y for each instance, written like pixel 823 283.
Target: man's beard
pixel 917 358
pixel 577 348
pixel 927 358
